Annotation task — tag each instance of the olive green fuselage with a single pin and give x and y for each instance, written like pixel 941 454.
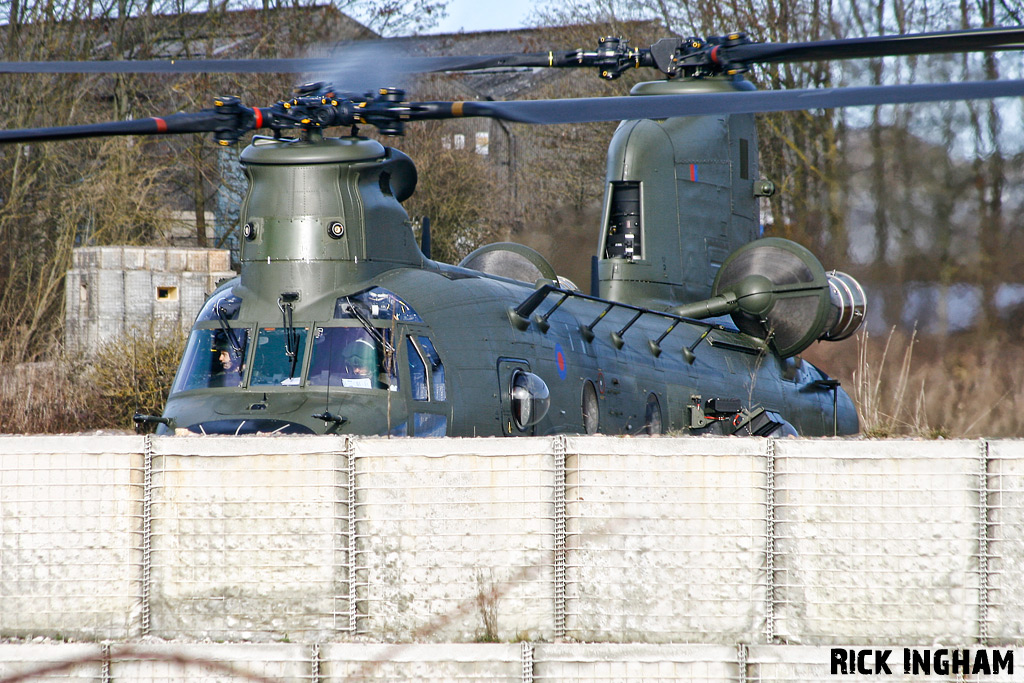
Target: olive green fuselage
pixel 466 318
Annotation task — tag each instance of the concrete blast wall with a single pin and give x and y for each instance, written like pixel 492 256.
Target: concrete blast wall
pixel 609 558
pixel 114 291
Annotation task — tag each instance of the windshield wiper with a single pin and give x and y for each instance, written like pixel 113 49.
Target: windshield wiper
pixel 370 329
pixel 291 335
pixel 229 331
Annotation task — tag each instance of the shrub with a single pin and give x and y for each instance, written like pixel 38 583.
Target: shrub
pixel 132 373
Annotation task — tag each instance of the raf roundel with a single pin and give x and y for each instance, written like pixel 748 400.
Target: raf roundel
pixel 560 362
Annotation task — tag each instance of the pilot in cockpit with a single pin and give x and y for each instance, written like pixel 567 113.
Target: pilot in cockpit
pixel 225 366
pixel 360 364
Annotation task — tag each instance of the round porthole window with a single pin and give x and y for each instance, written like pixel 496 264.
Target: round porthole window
pixel 530 399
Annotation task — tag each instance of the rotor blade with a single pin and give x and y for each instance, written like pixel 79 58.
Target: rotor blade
pixel 283 66
pixel 180 66
pixel 200 122
pixel 698 104
pixel 994 39
pixel 231 120
pixel 478 62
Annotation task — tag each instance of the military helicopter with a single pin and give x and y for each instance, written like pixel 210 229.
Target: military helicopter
pixel 339 322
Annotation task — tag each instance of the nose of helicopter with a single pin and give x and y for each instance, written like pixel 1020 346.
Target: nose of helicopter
pixel 291 413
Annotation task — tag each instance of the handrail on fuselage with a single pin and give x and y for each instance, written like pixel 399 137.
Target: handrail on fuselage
pixel 520 316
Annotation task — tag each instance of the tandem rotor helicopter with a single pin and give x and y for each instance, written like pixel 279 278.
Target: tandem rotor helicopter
pixel 339 322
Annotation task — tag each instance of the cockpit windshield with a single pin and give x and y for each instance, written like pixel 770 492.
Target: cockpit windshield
pixel 340 357
pixel 351 357
pixel 213 358
pixel 278 357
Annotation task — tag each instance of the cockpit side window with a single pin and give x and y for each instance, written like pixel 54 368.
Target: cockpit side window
pixel 351 357
pixel 437 387
pixel 425 370
pixel 417 373
pixel 278 357
pixel 213 358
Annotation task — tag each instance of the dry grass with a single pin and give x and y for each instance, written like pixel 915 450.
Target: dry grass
pixel 880 390
pixel 103 392
pixel 134 374
pixel 975 390
pixel 969 386
pixel 43 398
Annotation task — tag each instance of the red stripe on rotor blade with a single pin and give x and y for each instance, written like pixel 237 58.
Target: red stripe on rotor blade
pixel 259 117
pixel 161 125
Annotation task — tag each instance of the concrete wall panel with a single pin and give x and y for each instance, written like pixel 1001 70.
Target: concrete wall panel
pixel 317 539
pixel 420 662
pixel 877 544
pixel 666 539
pixel 608 662
pixel 456 538
pixel 1005 536
pixel 69 536
pixel 139 296
pixel 211 662
pixel 250 539
pixel 63 661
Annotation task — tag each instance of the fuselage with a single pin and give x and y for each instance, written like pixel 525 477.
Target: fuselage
pixel 445 353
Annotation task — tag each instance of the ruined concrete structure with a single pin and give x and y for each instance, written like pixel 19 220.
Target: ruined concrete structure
pixel 114 291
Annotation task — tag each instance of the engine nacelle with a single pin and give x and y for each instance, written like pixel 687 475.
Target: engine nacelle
pixel 778 291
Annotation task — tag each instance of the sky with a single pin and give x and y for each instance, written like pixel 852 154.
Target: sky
pixel 473 15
